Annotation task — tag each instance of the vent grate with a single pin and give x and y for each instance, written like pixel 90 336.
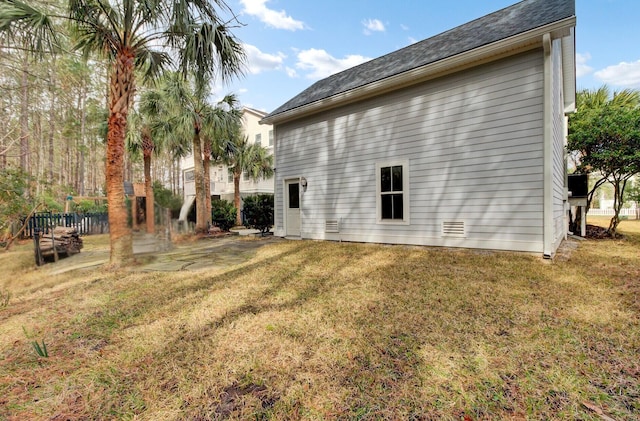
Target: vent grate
pixel 453 229
pixel 331 225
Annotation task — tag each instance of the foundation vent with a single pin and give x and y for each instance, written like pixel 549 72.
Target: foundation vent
pixel 332 225
pixel 453 229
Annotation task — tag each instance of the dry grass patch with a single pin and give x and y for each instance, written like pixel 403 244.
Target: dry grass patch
pixel 320 330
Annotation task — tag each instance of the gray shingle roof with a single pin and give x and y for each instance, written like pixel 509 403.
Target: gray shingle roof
pixel 510 21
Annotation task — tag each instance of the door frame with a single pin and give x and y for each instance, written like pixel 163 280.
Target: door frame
pixel 285 201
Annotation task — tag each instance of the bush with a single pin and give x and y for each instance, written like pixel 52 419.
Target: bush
pixel 223 214
pixel 91 206
pixel 258 212
pixel 166 199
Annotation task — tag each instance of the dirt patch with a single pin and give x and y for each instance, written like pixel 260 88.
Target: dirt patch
pixel 232 397
pixel 595 232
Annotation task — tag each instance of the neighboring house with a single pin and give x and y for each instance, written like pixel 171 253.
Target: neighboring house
pixel 221 177
pixel 457 140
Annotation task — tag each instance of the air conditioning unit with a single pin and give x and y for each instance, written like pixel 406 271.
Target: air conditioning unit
pixel 578 185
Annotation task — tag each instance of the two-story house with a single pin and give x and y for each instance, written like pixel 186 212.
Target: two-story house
pixel 221 176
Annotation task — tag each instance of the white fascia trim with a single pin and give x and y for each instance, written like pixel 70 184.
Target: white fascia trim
pixel 508 46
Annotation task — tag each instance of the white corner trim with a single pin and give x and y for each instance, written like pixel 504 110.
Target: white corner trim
pixel 548 148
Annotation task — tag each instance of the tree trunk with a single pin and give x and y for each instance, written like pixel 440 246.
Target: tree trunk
pixel 236 195
pixel 618 201
pixel 121 91
pixel 207 180
pixel 52 119
pixel 24 116
pixel 147 150
pixel 198 168
pixel 81 140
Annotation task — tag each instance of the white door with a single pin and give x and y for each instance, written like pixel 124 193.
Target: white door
pixel 292 208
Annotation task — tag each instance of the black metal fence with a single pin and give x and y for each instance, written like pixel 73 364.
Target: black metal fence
pixel 85 223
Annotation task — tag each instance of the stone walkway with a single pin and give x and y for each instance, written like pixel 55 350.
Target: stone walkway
pixel 155 254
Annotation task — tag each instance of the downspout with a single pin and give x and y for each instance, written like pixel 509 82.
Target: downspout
pixel 548 151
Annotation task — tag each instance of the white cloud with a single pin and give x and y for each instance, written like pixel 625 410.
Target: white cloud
pixel 243 90
pixel 582 69
pixel 412 40
pixel 273 18
pixel 260 62
pixel 322 64
pixel 291 72
pixel 373 25
pixel 404 27
pixel 622 74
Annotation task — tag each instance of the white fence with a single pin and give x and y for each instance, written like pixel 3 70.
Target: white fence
pixel 624 213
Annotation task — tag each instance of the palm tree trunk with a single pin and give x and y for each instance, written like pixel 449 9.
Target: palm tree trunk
pixel 147 150
pixel 121 90
pixel 149 200
pixel 207 180
pixel 236 195
pixel 198 168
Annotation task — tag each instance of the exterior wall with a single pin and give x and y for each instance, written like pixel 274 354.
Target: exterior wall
pixel 473 145
pixel 220 184
pixel 559 121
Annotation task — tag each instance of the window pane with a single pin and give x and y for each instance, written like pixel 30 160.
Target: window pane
pixel 397 178
pixel 387 207
pixel 397 206
pixel 294 196
pixel 258 139
pixel 385 179
pixel 270 137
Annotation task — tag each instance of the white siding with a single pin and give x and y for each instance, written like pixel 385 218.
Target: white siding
pixel 473 142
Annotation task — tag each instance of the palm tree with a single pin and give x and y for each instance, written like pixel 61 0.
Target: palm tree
pixel 598 98
pixel 145 135
pixel 191 116
pixel 243 157
pixel 134 34
pixel 226 117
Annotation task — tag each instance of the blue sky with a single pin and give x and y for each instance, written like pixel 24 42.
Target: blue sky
pixel 292 43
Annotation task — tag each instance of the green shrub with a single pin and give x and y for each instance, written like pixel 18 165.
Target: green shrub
pixel 165 198
pixel 51 204
pixel 258 212
pixel 90 206
pixel 223 214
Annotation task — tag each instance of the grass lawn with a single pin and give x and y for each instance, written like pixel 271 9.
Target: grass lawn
pixel 322 330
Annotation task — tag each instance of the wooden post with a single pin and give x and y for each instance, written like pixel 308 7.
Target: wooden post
pixel 36 247
pixel 55 250
pixel 134 213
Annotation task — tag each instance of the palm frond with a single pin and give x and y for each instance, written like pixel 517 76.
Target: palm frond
pixel 35 27
pixel 153 63
pixel 626 98
pixel 210 50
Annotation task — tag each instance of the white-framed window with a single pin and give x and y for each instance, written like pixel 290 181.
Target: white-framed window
pixel 392 192
pixel 270 137
pixel 189 175
pixel 258 140
pixel 229 176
